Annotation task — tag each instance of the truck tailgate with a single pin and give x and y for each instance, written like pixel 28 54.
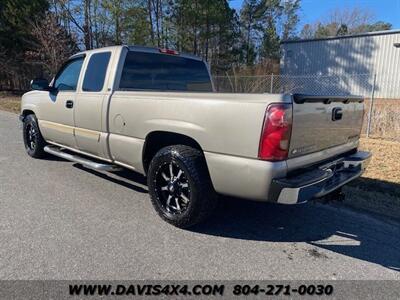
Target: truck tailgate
pixel 322 122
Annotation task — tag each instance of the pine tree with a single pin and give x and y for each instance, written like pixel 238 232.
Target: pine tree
pixel 249 15
pixel 270 44
pixel 16 39
pixel 290 18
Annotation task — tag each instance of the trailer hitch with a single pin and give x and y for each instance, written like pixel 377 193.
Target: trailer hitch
pixel 335 196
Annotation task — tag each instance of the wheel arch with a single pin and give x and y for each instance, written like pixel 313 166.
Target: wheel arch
pixel 157 140
pixel 28 108
pixel 26 112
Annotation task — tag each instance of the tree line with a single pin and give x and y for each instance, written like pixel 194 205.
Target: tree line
pixel 37 36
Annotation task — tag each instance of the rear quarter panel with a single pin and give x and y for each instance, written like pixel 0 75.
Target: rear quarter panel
pixel 220 123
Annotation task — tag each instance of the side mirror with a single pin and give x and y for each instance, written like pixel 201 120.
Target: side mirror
pixel 40 84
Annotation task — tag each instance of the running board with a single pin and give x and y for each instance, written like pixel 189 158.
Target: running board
pixel 57 151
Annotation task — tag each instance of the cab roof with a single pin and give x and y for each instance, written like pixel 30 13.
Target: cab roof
pixel 138 49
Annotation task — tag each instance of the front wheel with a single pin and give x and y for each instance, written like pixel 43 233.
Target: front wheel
pixel 180 187
pixel 33 140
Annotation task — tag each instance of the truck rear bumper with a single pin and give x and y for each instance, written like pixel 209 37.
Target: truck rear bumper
pixel 318 181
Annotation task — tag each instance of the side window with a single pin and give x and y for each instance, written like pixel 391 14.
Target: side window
pixel 96 72
pixel 67 79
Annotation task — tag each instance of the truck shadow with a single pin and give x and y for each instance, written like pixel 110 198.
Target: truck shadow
pixel 376 185
pixel 332 228
pixel 126 178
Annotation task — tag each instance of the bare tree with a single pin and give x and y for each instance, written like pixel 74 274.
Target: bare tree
pixel 351 17
pixel 72 12
pixel 54 44
pixel 344 21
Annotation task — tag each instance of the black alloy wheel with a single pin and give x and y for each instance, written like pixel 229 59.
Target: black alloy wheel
pixel 172 188
pixel 180 186
pixel 33 140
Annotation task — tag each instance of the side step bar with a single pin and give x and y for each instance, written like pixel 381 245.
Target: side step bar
pixel 57 151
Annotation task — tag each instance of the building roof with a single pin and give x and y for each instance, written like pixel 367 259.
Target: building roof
pixel 385 32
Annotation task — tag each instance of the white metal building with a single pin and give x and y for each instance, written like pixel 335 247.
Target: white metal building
pixel 348 62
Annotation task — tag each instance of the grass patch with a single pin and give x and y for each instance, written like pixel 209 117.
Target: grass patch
pixel 10 103
pixel 385 162
pixel 378 190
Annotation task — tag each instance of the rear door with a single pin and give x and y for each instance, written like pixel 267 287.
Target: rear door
pixel 91 105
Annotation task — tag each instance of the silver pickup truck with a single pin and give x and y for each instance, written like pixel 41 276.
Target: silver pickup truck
pixel 154 111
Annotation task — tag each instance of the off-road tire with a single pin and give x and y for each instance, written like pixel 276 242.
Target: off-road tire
pixel 203 199
pixel 29 123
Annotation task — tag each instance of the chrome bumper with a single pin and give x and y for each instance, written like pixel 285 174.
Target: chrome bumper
pixel 320 181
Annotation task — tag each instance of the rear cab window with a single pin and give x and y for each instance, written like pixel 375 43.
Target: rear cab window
pixel 164 72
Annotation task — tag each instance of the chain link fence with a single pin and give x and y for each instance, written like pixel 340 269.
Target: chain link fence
pixel 380 91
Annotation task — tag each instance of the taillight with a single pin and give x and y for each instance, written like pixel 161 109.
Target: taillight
pixel 168 51
pixel 275 135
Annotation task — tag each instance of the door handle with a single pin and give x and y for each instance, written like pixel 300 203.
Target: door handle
pixel 69 104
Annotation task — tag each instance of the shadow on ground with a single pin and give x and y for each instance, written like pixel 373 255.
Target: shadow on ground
pixel 126 178
pixel 337 229
pixel 376 185
pixel 374 195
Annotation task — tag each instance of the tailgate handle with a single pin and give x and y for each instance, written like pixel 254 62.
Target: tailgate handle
pixel 337 113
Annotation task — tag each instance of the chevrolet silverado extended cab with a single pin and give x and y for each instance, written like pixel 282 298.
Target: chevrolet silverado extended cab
pixel 154 111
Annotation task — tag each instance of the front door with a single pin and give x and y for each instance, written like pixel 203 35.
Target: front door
pixel 57 115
